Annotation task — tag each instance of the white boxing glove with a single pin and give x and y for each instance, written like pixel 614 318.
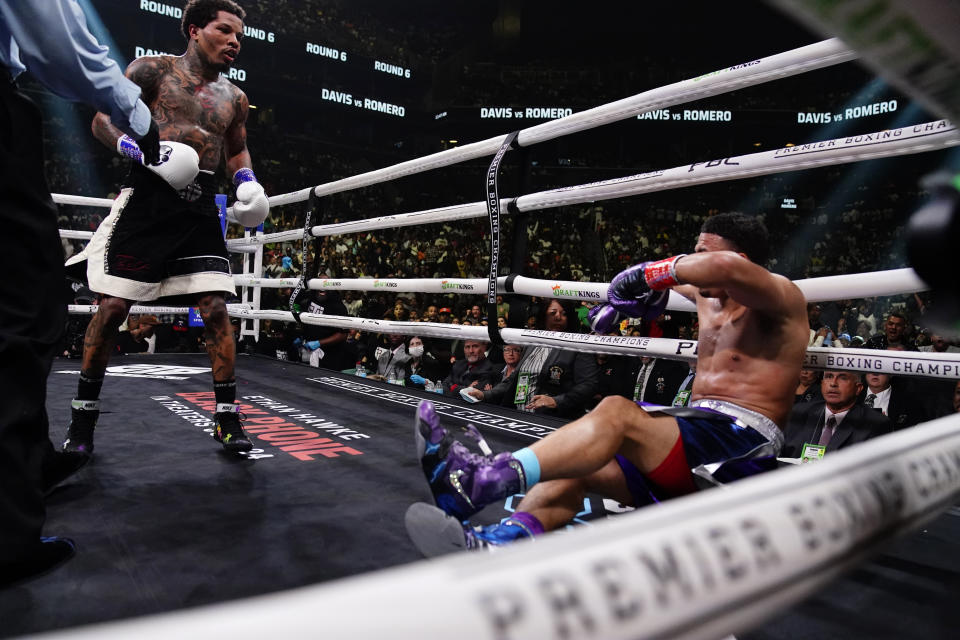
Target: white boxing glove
pixel 252 206
pixel 179 163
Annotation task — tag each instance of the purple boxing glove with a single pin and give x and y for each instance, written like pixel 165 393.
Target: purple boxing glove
pixel 630 293
pixel 603 318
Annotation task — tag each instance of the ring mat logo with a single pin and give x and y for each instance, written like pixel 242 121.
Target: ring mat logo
pixel 163 371
pixel 154 371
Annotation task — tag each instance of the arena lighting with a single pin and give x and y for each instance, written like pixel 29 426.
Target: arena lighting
pixel 834 128
pixel 863 173
pixel 515 591
pixel 908 42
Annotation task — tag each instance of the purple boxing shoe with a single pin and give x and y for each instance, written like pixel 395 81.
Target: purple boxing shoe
pixel 435 533
pixel 462 482
pixel 83 420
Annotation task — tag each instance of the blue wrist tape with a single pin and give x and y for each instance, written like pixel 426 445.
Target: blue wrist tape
pixel 243 175
pixel 127 146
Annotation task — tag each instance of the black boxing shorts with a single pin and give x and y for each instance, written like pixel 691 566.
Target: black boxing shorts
pixel 158 242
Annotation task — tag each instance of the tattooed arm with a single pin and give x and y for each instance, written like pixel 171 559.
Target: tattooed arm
pixel 235 138
pixel 146 73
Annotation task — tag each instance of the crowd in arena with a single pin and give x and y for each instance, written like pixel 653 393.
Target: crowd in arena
pixel 854 229
pixel 843 224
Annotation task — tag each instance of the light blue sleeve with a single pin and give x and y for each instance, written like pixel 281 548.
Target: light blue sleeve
pixel 58 50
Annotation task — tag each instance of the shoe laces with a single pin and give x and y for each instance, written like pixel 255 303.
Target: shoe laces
pixel 464 454
pixel 474 434
pixel 231 422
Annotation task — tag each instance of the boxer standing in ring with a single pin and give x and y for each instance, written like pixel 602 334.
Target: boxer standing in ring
pixel 163 237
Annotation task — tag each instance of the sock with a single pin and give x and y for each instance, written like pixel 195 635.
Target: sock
pixel 519 525
pixel 88 387
pixel 673 474
pixel 530 524
pixel 531 466
pixel 225 391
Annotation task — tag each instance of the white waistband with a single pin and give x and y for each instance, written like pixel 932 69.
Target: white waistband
pixel 745 418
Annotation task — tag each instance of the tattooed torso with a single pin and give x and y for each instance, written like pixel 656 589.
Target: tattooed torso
pixel 187 108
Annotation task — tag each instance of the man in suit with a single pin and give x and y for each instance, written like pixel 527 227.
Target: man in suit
pixel 895 398
pixel 549 381
pixel 473 371
pixel 659 379
pixel 837 422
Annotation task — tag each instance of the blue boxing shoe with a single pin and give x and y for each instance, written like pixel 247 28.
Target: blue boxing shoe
pixel 435 533
pixel 462 482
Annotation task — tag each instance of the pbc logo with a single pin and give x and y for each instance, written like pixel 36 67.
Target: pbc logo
pixel 685 346
pixel 160 371
pixel 152 371
pixel 712 163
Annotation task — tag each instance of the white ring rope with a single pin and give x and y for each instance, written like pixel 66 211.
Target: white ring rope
pixel 90 309
pixel 920 138
pixel 892 282
pixel 909 44
pixel 702 566
pixel 926 364
pixel 856 285
pixel 902 363
pixel 84 201
pixel 753 72
pixel 76 235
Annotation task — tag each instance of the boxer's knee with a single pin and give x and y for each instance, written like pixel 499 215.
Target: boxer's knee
pixel 213 310
pixel 616 412
pixel 112 312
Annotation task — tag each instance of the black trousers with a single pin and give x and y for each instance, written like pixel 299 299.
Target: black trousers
pixel 32 318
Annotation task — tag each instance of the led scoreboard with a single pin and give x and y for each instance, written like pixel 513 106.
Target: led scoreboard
pixel 315 76
pixel 296 72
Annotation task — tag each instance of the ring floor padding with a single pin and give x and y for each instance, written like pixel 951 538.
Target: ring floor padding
pixel 164 519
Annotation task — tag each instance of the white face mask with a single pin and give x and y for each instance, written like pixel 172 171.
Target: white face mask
pixel 416 352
